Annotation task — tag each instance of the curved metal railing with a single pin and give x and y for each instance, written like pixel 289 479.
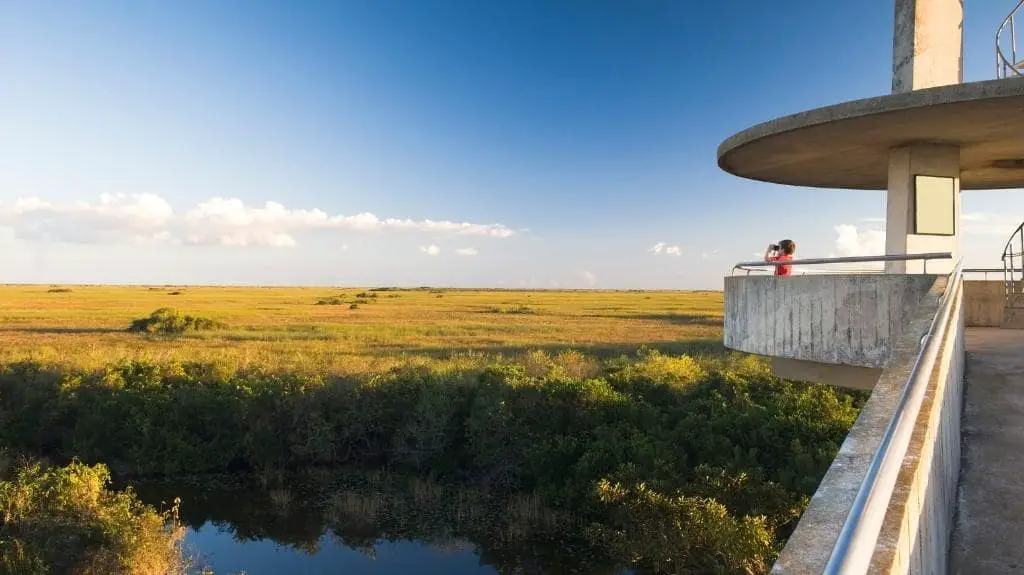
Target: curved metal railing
pixel 1013 260
pixel 1007 63
pixel 859 535
pixel 763 266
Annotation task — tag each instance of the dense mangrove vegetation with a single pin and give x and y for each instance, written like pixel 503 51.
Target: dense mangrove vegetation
pixel 669 464
pixel 67 520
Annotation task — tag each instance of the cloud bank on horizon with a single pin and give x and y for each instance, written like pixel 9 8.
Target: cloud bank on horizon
pixel 148 219
pixel 144 218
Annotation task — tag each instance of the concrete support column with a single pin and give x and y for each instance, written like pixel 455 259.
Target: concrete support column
pixel 923 206
pixel 927 48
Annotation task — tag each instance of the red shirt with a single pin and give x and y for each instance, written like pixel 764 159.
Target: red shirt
pixel 782 270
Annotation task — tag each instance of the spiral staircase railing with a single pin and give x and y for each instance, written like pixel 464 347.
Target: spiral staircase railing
pixel 1008 63
pixel 1013 269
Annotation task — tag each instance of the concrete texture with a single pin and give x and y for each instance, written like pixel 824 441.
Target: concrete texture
pixel 809 547
pixel 927 48
pixel 836 319
pixel 990 510
pixel 918 524
pixel 900 235
pixel 847 145
pixel 848 376
pixel 1013 318
pixel 983 303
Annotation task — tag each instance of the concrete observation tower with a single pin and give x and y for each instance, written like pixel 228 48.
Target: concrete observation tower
pixel 893 499
pixel 924 143
pixel 931 138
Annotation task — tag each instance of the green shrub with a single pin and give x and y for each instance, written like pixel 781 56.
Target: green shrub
pixel 333 300
pixel 682 534
pixel 59 290
pixel 514 309
pixel 169 321
pixel 66 520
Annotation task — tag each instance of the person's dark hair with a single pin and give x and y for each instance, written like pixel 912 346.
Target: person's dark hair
pixel 787 247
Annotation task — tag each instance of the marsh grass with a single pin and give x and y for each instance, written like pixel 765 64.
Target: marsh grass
pixel 85 328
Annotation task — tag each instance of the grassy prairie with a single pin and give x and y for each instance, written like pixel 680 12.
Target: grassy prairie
pixel 85 326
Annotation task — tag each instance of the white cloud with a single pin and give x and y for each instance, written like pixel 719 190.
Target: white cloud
pixel 708 255
pixel 430 250
pixel 985 224
pixel 973 223
pixel 466 251
pixel 136 218
pixel 662 247
pixel 589 278
pixel 851 241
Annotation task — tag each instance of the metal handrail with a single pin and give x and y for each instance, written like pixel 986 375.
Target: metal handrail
pixel 987 271
pixel 1013 284
pixel 855 545
pixel 748 266
pixel 1005 67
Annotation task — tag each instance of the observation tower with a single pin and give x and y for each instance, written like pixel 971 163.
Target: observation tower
pixel 896 499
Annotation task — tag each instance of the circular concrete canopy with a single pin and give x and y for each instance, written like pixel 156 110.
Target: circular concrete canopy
pixel 847 145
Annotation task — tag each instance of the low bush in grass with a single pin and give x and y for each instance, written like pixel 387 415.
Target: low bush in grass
pixel 332 300
pixel 169 321
pixel 59 290
pixel 518 308
pixel 650 434
pixel 67 520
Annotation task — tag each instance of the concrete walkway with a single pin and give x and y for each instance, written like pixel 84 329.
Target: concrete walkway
pixel 989 533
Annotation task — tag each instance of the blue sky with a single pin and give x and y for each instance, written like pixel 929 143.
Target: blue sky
pixel 471 143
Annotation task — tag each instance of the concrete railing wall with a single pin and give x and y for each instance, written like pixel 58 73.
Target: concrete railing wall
pixel 918 521
pixel 834 319
pixel 983 303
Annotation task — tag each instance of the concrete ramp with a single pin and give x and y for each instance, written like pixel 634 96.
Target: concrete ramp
pixel 988 536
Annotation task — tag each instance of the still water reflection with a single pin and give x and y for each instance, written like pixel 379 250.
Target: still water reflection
pixel 224 554
pixel 363 523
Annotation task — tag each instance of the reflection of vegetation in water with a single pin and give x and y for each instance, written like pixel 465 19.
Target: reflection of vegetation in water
pixel 713 449
pixel 516 533
pixel 66 520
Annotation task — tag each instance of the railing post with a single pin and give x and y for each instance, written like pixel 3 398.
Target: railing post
pixel 1013 38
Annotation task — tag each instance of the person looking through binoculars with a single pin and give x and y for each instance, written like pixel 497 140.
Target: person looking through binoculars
pixel 782 251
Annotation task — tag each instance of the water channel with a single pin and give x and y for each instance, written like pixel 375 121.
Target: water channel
pixel 363 523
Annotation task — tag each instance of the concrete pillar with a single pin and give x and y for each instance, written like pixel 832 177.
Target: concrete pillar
pixel 927 51
pixel 927 48
pixel 923 206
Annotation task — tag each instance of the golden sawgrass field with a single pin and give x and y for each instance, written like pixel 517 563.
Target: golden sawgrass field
pixel 285 328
